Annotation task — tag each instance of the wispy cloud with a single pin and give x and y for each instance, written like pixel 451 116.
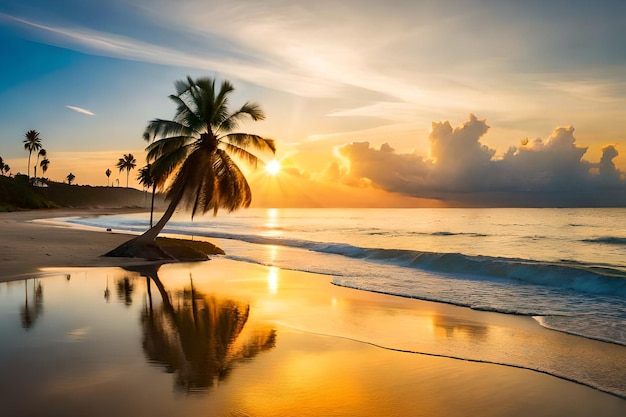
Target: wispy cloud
pixel 80 110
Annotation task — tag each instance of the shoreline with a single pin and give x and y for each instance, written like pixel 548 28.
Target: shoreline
pixel 28 245
pixel 29 248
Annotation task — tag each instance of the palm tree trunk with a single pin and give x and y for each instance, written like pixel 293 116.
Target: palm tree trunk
pixel 127 172
pixel 28 171
pixel 144 246
pixel 152 204
pixel 152 233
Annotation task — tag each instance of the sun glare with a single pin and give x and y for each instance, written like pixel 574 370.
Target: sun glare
pixel 272 167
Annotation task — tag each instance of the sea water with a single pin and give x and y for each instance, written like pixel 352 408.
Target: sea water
pixel 564 267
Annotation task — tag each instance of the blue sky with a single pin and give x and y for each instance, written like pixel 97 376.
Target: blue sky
pixel 327 74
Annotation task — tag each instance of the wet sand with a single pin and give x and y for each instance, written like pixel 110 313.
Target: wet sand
pixel 336 351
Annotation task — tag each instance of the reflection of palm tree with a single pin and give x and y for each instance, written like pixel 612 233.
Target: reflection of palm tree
pixel 30 313
pixel 125 288
pixel 199 337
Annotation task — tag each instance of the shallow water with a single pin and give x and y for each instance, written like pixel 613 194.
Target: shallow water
pixel 566 267
pixel 229 338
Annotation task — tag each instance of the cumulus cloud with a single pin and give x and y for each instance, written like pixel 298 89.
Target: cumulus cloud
pixel 80 110
pixel 463 170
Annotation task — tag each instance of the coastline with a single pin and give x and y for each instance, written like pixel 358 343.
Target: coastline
pixel 27 246
pixel 317 318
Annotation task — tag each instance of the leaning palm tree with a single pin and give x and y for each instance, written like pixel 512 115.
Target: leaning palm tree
pixel 108 174
pixel 195 149
pixel 44 164
pixel 31 143
pixel 70 177
pixel 128 162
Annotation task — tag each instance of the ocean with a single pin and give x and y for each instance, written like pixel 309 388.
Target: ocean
pixel 566 268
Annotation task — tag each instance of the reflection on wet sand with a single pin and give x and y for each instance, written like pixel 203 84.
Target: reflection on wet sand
pixel 197 337
pixel 455 327
pixel 30 312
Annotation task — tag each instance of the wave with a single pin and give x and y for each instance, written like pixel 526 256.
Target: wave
pixel 579 277
pixel 576 276
pixel 608 240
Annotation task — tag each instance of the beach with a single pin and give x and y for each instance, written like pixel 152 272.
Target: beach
pixel 306 346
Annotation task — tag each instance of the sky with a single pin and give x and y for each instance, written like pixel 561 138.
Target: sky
pixel 381 104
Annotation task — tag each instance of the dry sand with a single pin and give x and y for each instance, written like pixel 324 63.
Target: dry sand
pixel 26 245
pixel 347 352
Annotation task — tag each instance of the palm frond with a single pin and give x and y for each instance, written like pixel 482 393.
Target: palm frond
pixel 159 128
pixel 187 115
pixel 166 145
pixel 231 122
pixel 233 189
pixel 163 167
pixel 248 157
pixel 246 140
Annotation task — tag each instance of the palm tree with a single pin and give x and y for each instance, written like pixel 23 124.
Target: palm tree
pixel 44 164
pixel 42 152
pixel 6 168
pixel 127 163
pixel 146 178
pixel 31 143
pixel 70 177
pixel 1 165
pixel 195 147
pixel 108 174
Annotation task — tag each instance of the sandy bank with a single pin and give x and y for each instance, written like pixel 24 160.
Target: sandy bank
pixel 26 246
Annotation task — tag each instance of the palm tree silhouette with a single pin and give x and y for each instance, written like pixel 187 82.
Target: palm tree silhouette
pixel 108 174
pixel 6 168
pixel 127 163
pixel 195 148
pixel 42 152
pixel 32 142
pixel 146 178
pixel 44 165
pixel 1 165
pixel 70 177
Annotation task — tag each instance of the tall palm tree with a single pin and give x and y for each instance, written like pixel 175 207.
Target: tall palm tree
pixel 147 179
pixel 44 164
pixel 128 162
pixel 42 152
pixel 108 174
pixel 195 148
pixel 70 177
pixel 32 142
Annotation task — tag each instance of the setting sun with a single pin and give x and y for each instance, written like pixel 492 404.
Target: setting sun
pixel 273 167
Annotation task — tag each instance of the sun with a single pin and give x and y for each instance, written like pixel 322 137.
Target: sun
pixel 272 167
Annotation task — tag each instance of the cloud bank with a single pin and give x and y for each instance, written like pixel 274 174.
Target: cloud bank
pixel 463 171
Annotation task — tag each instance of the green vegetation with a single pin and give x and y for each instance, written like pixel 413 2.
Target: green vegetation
pixel 18 194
